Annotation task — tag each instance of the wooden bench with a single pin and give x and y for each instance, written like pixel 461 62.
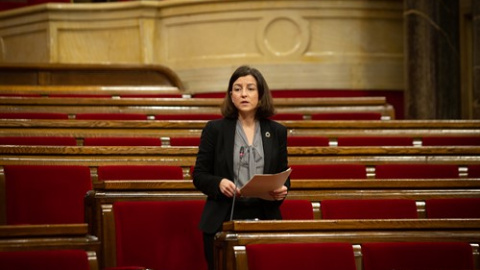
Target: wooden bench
pixel 230 243
pixel 50 237
pixel 56 74
pixel 332 130
pixel 136 100
pixel 185 156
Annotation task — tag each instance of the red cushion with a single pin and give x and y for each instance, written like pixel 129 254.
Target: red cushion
pixel 127 141
pixel 111 116
pixel 159 234
pixel 328 171
pixel 296 209
pixel 139 172
pixel 185 141
pixel 307 141
pixel 304 256
pixel 209 95
pixel 347 116
pixel 206 116
pixel 368 209
pixel 78 96
pixel 44 260
pixel 46 194
pixel 152 96
pixel 375 141
pixel 64 141
pixel 417 256
pixel 33 116
pixel 403 171
pixel 287 116
pixel 453 208
pixel 474 170
pixel 450 140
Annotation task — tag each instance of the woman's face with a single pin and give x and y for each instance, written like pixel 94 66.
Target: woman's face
pixel 245 94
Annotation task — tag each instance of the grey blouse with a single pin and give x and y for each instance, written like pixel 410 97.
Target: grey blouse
pixel 252 161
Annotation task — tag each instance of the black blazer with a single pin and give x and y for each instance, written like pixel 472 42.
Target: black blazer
pixel 215 162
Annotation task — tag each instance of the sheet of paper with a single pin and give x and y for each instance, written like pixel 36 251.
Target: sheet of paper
pixel 261 184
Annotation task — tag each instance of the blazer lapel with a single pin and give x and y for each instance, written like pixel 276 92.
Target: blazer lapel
pixel 230 126
pixel 266 133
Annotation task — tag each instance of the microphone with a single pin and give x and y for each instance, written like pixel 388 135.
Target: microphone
pixel 242 152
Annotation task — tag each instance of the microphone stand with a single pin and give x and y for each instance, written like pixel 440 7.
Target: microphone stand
pixel 242 151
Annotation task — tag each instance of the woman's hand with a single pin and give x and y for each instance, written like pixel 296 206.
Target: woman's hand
pixel 279 194
pixel 228 188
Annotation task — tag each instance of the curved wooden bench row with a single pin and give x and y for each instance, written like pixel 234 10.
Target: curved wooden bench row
pixel 230 243
pixel 185 156
pixel 51 237
pixel 158 129
pixel 52 75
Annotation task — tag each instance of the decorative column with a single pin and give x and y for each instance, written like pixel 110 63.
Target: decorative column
pixel 432 59
pixel 476 59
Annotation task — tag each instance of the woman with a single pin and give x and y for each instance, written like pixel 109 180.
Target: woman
pixel 233 149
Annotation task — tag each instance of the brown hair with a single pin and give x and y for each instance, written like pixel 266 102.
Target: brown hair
pixel 265 107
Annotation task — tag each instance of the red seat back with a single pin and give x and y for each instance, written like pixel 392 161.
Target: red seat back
pixel 63 141
pixel 188 116
pixel 305 256
pixel 450 140
pixel 139 172
pixel 453 208
pixel 185 141
pixel 368 209
pixel 328 171
pixel 402 171
pixel 33 115
pixel 44 260
pixel 307 141
pixel 375 141
pixel 118 141
pixel 159 234
pixel 111 116
pixel 46 194
pixel 474 170
pixel 296 209
pixel 417 256
pixel 347 116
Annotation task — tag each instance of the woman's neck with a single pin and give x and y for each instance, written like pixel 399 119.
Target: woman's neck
pixel 247 120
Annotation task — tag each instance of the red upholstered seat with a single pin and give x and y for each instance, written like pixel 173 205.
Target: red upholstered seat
pixel 402 171
pixel 78 96
pixel 185 141
pixel 453 208
pixel 111 116
pixel 63 141
pixel 119 141
pixel 368 209
pixel 307 141
pixel 152 96
pixel 304 256
pixel 159 234
pixel 375 141
pixel 44 260
pixel 417 256
pixel 287 116
pixel 209 95
pixel 33 115
pixel 474 170
pixel 450 140
pixel 187 116
pixel 296 209
pixel 46 194
pixel 347 116
pixel 328 171
pixel 139 172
